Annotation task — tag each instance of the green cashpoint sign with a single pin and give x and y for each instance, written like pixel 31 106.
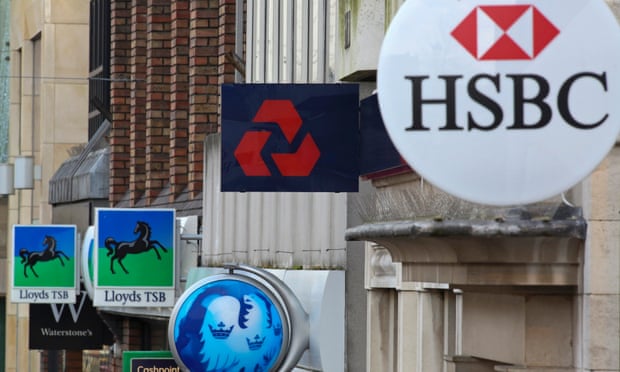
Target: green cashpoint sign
pixel 147 361
pixel 44 268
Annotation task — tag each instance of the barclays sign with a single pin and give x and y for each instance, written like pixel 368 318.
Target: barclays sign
pixel 238 322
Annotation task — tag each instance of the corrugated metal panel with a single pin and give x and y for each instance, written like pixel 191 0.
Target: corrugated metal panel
pixel 280 230
pixel 287 41
pixel 91 179
pixel 290 41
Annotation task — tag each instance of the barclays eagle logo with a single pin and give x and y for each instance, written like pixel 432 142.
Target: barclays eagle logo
pixel 229 325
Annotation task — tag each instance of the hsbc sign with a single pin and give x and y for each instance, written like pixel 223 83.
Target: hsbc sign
pixel 502 102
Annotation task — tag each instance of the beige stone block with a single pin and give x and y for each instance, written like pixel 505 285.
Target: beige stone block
pixel 602 258
pixel 494 327
pixel 60 153
pixel 597 194
pixel 71 50
pixel 420 331
pixel 3 278
pixel 47 158
pixel 11 341
pixel 14 117
pixel 601 338
pixel 614 5
pixel 45 211
pixel 25 131
pixel 409 353
pixel 22 339
pixel 67 11
pixel 532 369
pixel 381 329
pixel 31 18
pixel 468 364
pixel 47 105
pixel 549 331
pixel 366 32
pixel 71 114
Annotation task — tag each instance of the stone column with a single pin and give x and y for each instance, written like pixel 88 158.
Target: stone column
pixel 419 331
pixel 598 309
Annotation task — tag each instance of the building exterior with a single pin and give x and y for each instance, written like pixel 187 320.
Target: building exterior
pixel 48 109
pixel 455 286
pixel 128 116
pixel 153 99
pixel 5 17
pixel 191 48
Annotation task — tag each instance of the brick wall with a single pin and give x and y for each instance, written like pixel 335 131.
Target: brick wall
pixel 158 69
pixel 226 35
pixel 179 97
pixel 203 84
pixel 137 129
pixel 168 61
pixel 120 88
pixel 73 360
pixel 131 339
pixel 167 64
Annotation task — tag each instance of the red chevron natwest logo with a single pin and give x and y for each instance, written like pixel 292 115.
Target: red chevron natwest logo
pixel 505 32
pixel 296 164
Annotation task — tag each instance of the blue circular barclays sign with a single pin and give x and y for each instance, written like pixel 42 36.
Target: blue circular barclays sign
pixel 229 322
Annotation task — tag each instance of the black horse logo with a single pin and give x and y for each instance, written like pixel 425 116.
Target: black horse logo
pixel 49 253
pixel 118 250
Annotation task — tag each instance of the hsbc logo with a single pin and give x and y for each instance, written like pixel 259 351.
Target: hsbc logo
pixel 501 102
pixel 505 32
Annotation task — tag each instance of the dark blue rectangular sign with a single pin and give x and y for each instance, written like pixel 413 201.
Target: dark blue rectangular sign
pixel 290 137
pixel 378 154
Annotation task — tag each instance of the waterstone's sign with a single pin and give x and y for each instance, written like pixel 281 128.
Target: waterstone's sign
pixel 44 266
pixel 67 326
pixel 134 257
pixel 501 102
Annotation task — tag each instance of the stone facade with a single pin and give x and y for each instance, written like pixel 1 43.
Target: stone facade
pixel 48 121
pixel 463 287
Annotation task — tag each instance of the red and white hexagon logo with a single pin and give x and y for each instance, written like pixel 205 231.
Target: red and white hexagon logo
pixel 505 32
pixel 501 102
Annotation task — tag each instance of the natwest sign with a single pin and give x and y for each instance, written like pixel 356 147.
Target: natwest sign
pixel 502 102
pixel 290 137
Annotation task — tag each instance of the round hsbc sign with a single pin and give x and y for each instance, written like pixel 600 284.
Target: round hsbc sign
pixel 502 102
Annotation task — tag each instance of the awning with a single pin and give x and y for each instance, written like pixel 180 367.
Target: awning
pixel 85 176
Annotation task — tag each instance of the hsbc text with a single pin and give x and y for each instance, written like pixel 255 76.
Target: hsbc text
pixel 541 101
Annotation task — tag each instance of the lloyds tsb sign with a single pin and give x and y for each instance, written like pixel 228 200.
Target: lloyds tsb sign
pixel 501 103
